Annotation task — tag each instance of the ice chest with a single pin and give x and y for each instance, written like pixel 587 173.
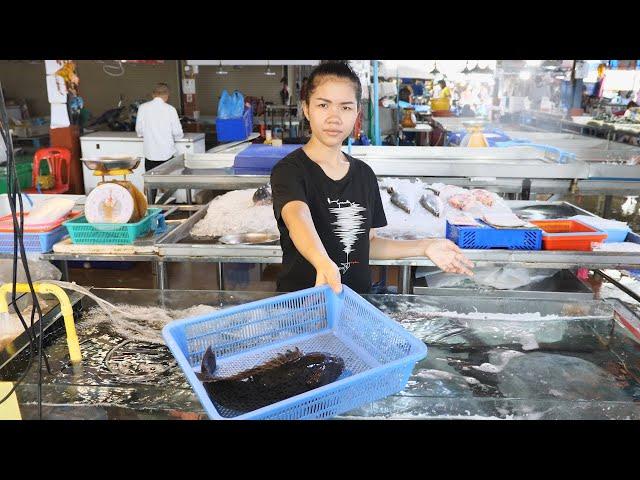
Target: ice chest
pixel 379 354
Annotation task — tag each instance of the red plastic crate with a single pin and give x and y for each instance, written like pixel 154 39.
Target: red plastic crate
pixel 565 234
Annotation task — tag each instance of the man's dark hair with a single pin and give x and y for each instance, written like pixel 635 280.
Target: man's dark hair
pixel 405 94
pixel 331 69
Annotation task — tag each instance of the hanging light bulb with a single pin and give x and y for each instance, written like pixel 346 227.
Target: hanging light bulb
pixel 466 70
pixel 268 71
pixel 435 70
pixel 220 70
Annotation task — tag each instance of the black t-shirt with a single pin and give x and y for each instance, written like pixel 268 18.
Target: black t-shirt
pixel 343 211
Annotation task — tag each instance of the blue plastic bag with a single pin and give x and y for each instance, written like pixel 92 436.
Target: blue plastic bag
pixel 225 105
pixel 237 104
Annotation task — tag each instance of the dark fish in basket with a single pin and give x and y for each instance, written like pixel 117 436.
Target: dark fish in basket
pixel 399 200
pixel 263 195
pixel 431 203
pixel 286 375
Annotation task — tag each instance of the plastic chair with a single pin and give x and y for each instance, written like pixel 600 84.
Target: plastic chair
pixel 59 160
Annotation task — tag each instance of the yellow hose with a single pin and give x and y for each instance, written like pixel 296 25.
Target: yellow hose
pixel 65 308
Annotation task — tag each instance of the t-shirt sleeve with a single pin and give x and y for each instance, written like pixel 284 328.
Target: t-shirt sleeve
pixel 378 218
pixel 287 185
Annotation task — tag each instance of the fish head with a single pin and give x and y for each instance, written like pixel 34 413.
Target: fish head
pixel 263 195
pixel 322 368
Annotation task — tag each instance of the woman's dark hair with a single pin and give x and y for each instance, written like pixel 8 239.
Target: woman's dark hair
pixel 442 83
pixel 632 104
pixel 331 69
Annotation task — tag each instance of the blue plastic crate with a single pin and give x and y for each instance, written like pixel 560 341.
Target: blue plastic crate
pixel 379 354
pixel 234 129
pixel 485 236
pixel 34 242
pixel 262 157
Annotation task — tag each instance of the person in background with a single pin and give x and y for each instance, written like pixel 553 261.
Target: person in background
pixel 159 126
pixel 445 91
pixel 284 93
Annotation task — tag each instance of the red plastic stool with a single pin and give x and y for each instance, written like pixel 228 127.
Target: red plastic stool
pixel 59 160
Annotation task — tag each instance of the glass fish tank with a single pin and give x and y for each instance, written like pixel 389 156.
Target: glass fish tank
pixel 488 358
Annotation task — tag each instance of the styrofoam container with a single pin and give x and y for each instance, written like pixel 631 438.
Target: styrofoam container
pixel 37 198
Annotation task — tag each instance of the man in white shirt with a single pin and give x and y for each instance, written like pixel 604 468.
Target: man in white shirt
pixel 158 123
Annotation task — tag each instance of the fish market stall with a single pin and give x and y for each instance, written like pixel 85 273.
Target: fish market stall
pixel 201 237
pixel 488 358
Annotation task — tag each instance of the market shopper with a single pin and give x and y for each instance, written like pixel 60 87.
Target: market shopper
pixel 328 205
pixel 159 126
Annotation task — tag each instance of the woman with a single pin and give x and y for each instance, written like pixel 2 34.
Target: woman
pixel 328 204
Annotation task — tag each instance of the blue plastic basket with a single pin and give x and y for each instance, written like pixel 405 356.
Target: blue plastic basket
pixel 234 129
pixel 34 242
pixel 84 233
pixel 484 236
pixel 379 354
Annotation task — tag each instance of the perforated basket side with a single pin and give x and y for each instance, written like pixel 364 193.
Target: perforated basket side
pixel 249 326
pixel 358 393
pixel 33 242
pixel 373 335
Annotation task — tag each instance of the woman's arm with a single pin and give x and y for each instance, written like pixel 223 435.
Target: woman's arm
pixel 443 253
pixel 297 218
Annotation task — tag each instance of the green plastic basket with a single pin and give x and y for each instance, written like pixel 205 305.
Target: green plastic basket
pixel 84 233
pixel 24 176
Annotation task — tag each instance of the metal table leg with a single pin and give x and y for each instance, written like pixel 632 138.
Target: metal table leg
pixel 607 206
pixel 405 280
pixel 220 276
pixel 189 199
pixel 64 269
pixel 161 276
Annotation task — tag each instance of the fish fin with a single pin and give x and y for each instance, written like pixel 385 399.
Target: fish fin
pixel 208 364
pixel 279 359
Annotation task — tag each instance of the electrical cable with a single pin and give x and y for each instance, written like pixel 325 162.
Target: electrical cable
pixel 13 190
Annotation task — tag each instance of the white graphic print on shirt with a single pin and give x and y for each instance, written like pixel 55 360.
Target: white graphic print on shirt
pixel 348 223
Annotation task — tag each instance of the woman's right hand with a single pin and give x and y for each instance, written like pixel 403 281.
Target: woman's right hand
pixel 328 273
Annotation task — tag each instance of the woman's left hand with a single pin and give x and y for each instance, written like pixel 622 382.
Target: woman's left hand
pixel 448 257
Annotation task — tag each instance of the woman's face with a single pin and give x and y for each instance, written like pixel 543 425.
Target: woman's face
pixel 332 110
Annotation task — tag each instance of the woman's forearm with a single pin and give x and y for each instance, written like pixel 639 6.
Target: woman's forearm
pixel 386 249
pixel 302 231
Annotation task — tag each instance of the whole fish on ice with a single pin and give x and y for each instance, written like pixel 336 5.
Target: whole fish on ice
pixel 431 203
pixel 286 375
pixel 263 195
pixel 399 200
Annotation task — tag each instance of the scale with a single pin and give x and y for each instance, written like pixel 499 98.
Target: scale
pixel 114 201
pixel 475 136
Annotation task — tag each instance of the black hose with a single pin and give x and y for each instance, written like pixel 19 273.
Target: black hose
pixel 14 195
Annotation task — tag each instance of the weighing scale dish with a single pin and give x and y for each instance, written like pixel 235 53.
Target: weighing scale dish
pixel 112 162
